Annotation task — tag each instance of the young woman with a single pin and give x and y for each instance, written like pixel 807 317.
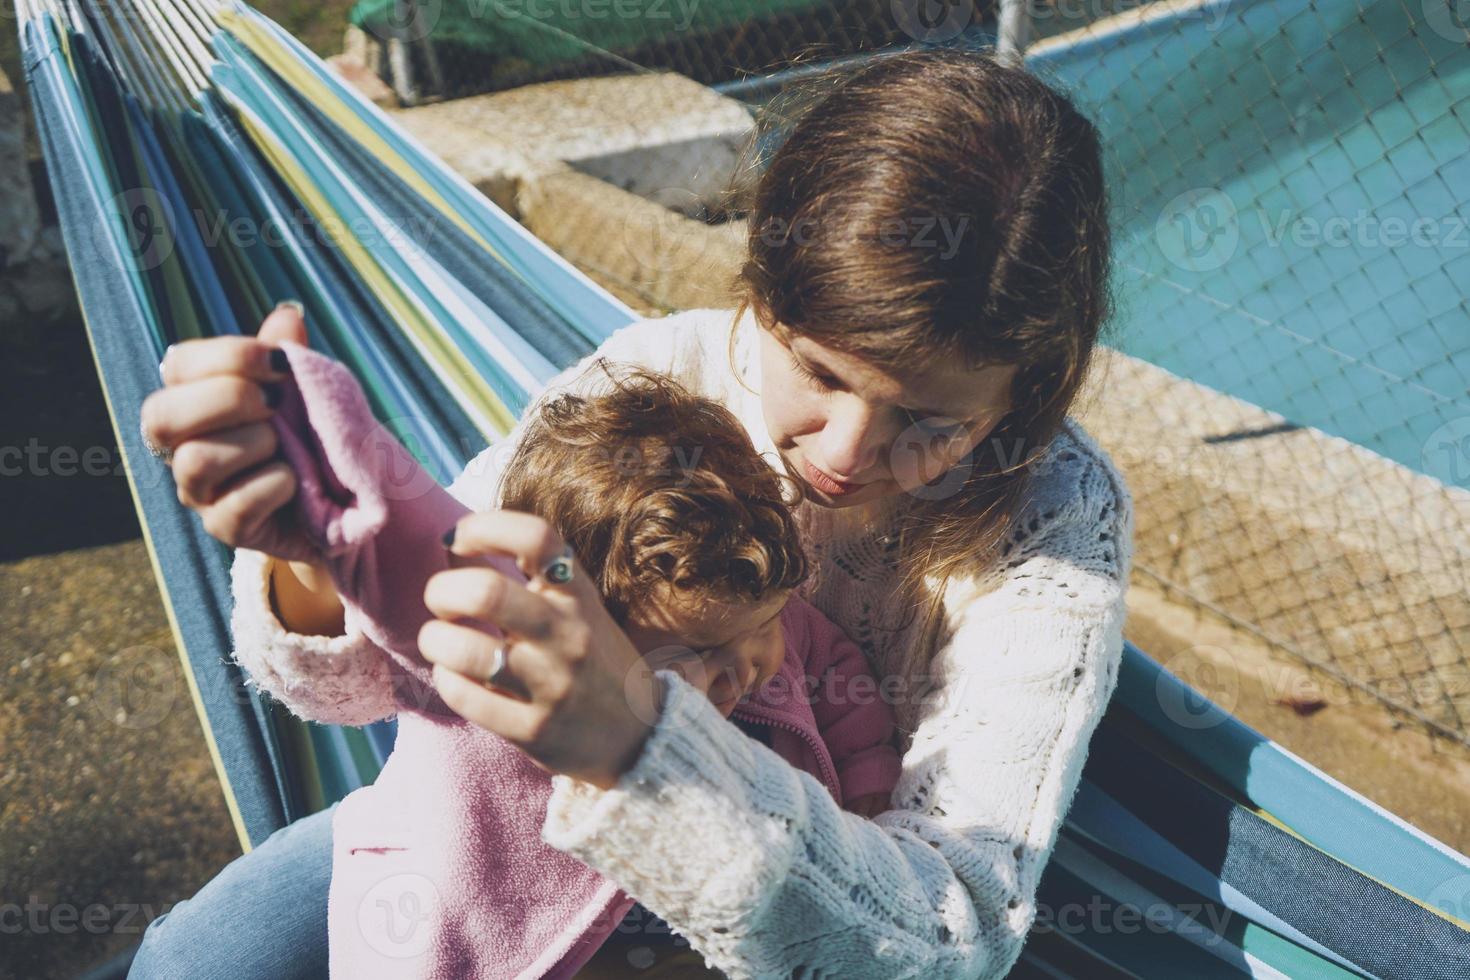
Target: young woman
pixel 925 286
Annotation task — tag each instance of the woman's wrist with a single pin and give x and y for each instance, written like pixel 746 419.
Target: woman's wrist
pixel 691 752
pixel 645 702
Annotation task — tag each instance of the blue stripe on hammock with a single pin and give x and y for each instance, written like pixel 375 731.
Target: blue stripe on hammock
pixel 1370 925
pixel 1317 807
pixel 195 577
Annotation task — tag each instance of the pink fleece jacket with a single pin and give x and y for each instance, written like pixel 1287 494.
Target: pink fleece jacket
pixel 439 869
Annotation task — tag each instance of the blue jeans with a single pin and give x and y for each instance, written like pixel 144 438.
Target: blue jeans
pixel 264 916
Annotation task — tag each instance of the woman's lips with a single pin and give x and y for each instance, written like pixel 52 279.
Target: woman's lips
pixel 826 484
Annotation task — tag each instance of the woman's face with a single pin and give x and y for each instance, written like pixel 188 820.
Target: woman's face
pixel 855 432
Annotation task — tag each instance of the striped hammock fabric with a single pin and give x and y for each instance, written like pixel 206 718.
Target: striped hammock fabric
pixel 205 164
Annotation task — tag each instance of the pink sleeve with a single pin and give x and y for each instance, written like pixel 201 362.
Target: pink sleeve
pixel 854 720
pixel 375 518
pixel 335 680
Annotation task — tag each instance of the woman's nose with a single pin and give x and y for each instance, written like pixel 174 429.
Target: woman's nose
pixel 851 440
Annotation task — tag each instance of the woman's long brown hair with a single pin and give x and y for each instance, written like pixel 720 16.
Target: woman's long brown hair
pixel 912 140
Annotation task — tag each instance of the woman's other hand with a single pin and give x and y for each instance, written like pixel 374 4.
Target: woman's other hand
pixel 213 415
pixel 588 702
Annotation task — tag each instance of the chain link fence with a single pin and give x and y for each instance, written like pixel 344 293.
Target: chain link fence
pixel 1293 264
pixel 431 49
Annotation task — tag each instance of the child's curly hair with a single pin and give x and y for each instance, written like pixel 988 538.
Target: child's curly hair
pixel 650 483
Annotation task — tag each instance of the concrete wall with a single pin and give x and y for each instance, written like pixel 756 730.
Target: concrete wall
pixel 1348 558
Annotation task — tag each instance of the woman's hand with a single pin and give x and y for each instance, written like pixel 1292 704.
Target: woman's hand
pixel 213 414
pixel 589 701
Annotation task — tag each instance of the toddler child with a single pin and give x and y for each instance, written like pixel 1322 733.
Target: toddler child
pixel 438 867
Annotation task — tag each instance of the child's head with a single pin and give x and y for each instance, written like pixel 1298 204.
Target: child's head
pixel 684 526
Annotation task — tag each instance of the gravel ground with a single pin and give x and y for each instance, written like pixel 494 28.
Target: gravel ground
pixel 107 794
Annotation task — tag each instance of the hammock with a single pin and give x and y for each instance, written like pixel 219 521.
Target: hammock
pixel 205 164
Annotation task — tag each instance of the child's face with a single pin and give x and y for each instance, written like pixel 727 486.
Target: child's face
pixel 726 650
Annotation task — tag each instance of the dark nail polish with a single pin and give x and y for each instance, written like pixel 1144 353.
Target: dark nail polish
pixel 448 538
pixel 272 395
pixel 280 363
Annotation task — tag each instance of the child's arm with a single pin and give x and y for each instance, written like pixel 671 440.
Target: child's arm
pixel 855 721
pixel 374 517
pixel 343 679
pixel 305 599
pixel 295 637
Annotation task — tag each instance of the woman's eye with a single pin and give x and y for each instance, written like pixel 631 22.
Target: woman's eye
pixel 823 381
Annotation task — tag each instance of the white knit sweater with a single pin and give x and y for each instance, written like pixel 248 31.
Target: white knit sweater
pixel 748 858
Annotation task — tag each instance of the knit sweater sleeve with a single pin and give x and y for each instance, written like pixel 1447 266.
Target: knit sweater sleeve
pixel 781 882
pixel 348 679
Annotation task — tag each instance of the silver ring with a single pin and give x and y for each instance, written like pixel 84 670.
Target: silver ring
pixel 497 666
pixel 153 448
pixel 559 571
